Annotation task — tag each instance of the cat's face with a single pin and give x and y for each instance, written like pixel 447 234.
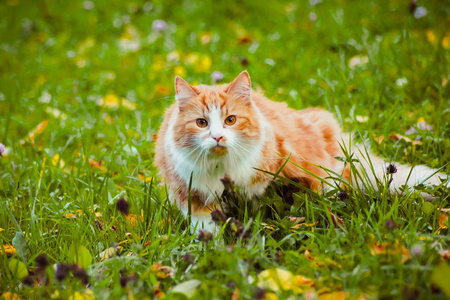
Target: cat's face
pixel 216 121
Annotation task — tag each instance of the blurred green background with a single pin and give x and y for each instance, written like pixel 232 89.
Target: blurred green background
pixel 84 84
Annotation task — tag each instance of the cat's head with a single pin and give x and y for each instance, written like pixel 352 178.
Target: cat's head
pixel 216 120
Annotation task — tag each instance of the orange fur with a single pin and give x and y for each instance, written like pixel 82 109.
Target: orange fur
pixel 309 137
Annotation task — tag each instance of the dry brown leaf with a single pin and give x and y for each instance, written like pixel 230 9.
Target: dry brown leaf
pixel 297 219
pixel 445 254
pixel 378 139
pixel 245 40
pixel 236 294
pixel 338 222
pixel 397 137
pixel 308 255
pixel 303 224
pixel 97 164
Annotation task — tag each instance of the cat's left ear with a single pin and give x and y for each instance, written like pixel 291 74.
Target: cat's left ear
pixel 241 87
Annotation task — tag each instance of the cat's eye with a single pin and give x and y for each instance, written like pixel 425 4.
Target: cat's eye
pixel 202 123
pixel 230 120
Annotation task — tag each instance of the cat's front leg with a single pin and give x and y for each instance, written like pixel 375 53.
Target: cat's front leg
pixel 200 212
pixel 201 219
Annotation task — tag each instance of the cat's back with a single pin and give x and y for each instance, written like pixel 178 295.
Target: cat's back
pixel 315 126
pixel 272 110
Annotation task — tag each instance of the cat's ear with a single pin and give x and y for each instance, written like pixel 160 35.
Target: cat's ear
pixel 184 91
pixel 241 87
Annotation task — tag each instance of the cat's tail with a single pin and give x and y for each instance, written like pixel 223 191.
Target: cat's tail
pixel 373 172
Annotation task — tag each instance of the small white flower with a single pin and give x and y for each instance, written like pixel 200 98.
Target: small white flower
pixel 147 7
pixel 45 97
pixel 362 119
pixel 270 62
pixel 401 81
pixel 117 22
pixel 2 149
pixel 88 5
pixel 358 60
pixel 312 16
pixel 71 54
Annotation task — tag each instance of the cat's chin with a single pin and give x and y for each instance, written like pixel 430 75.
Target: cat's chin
pixel 218 151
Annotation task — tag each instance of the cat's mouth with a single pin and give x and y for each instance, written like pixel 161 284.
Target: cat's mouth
pixel 219 150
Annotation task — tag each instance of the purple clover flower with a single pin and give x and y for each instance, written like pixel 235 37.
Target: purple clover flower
pixel 2 149
pixel 420 12
pixel 159 25
pixel 217 76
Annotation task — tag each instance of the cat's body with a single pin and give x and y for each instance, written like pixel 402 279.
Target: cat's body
pixel 213 131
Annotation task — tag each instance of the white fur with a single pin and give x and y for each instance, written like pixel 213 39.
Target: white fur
pixel 239 163
pixel 203 222
pixel 405 175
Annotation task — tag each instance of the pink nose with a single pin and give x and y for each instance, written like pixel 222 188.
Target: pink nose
pixel 217 138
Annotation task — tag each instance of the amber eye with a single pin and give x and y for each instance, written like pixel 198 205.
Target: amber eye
pixel 202 123
pixel 230 120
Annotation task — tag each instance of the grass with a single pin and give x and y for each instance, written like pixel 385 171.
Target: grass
pixel 83 87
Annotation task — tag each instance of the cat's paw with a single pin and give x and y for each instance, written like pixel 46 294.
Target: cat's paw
pixel 204 222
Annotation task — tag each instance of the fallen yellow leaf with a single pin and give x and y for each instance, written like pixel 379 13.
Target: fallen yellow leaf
pixel 446 41
pixel 162 271
pixel 443 218
pixel 236 294
pixel 431 37
pixel 32 134
pixel 97 164
pixel 338 295
pixel 86 295
pixel 280 279
pixel 397 136
pixel 128 105
pixel 293 228
pixel 10 296
pixel 9 249
pixel 391 250
pixel 378 139
pixel 143 177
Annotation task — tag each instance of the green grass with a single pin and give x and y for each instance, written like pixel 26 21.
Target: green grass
pixel 58 60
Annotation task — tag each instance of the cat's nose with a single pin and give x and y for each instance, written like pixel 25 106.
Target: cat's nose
pixel 217 138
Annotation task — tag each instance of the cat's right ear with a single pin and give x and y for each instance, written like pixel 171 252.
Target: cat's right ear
pixel 184 91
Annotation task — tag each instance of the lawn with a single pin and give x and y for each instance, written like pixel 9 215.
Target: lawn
pixel 83 88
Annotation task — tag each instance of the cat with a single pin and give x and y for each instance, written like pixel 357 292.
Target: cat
pixel 213 131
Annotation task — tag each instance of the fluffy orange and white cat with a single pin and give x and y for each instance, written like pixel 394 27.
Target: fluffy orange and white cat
pixel 229 129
